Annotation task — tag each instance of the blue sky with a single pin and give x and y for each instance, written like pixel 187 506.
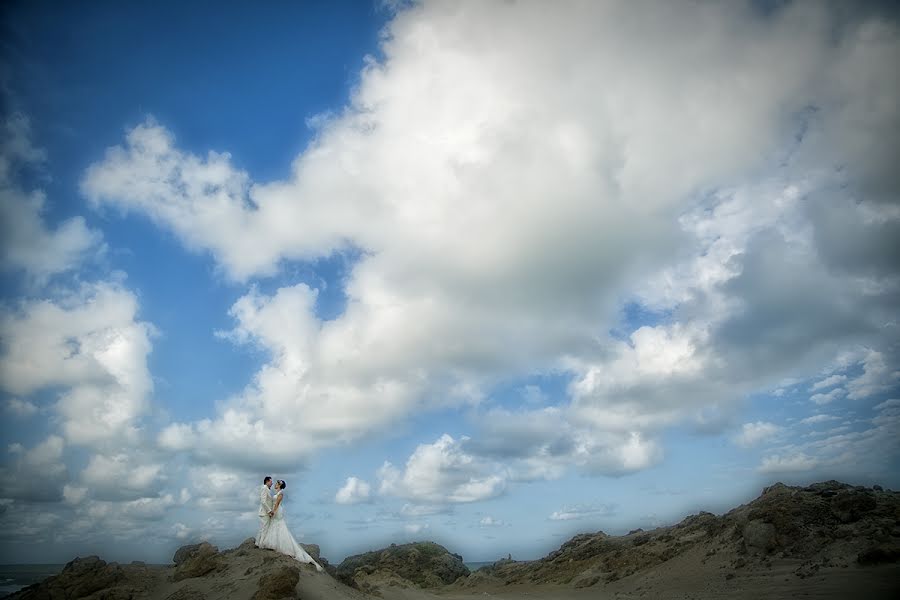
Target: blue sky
pixel 490 274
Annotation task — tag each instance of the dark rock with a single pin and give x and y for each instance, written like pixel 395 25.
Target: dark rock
pixel 827 488
pixel 197 561
pixel 80 578
pixel 314 551
pixel 877 488
pixel 850 505
pixel 641 539
pixel 248 544
pixel 878 555
pixel 759 536
pixel 776 488
pixel 278 584
pixel 184 552
pixel 425 564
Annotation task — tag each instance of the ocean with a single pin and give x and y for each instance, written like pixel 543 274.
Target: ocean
pixel 14 577
pixel 474 566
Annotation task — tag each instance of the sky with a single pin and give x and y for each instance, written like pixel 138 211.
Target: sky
pixel 484 273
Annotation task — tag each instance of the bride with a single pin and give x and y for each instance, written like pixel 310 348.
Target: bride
pixel 275 534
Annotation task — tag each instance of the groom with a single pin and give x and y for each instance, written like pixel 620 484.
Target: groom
pixel 265 501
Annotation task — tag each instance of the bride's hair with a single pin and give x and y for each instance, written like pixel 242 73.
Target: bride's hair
pixel 282 484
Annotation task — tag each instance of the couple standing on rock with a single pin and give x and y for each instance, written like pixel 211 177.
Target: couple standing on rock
pixel 273 531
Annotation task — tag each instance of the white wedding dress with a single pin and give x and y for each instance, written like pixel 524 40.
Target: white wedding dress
pixel 275 535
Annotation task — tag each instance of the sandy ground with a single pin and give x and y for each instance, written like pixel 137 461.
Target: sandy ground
pixel 694 576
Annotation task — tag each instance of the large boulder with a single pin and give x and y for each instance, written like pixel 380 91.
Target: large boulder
pixel 759 536
pixel 183 553
pixel 885 553
pixel 425 564
pixel 196 560
pixel 314 551
pixel 278 584
pixel 849 506
pixel 80 578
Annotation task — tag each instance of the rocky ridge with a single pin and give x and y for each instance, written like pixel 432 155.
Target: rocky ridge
pixel 824 524
pixel 200 572
pixel 420 564
pixel 836 536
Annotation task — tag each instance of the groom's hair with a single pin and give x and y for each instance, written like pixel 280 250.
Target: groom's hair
pixel 267 479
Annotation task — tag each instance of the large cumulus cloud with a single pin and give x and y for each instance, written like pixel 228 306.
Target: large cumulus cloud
pixel 512 173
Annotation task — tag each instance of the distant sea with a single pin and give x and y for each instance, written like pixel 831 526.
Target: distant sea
pixel 14 577
pixel 474 566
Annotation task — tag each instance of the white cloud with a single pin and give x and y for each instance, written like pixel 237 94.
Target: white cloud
pixel 90 343
pixel 754 433
pixel 181 531
pixel 354 491
pixel 35 474
pixel 828 382
pixel 440 473
pixel 73 494
pixel 27 243
pixel 415 511
pixel 846 451
pixel 878 375
pixel 787 464
pixel 829 397
pixel 491 522
pixel 21 408
pixel 888 404
pixel 220 490
pixel 415 528
pixel 818 419
pixel 507 218
pixel 122 476
pixel 578 512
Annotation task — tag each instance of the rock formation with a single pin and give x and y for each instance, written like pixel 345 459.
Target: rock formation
pixel 838 537
pixel 420 564
pixel 824 523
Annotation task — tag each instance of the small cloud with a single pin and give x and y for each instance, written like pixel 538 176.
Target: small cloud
pixel 73 494
pixel 818 419
pixel 828 382
pixel 21 408
pixel 491 522
pixel 422 510
pixel 828 398
pixel 354 491
pixel 181 531
pixel 754 433
pixel 414 528
pixel 786 464
pixel 578 512
pixel 892 403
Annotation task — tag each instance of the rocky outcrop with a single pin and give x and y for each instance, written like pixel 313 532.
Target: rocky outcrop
pixel 804 531
pixel 89 577
pixel 423 564
pixel 278 584
pixel 195 561
pixel 199 572
pixel 827 523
